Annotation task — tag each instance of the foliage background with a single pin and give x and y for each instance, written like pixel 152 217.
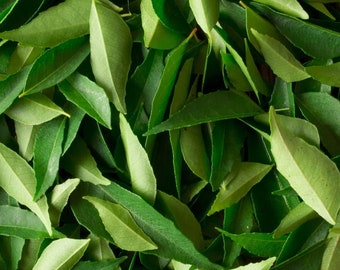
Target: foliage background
pixel 158 134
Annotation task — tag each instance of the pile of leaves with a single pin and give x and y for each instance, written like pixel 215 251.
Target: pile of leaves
pixel 169 134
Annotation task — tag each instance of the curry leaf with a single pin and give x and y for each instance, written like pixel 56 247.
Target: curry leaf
pixel 237 184
pixel 34 110
pixel 18 180
pixel 121 226
pixel 325 74
pixel 162 232
pixel 21 223
pixel 280 59
pixel 56 64
pixel 55 25
pixel 88 96
pixel 291 7
pixel 67 252
pixel 295 160
pixel 106 23
pixel 25 138
pixel 143 180
pixel 79 162
pixel 49 139
pixel 210 107
pixel 263 265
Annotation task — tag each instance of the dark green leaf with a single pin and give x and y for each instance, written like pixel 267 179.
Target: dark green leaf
pixel 211 107
pixel 55 25
pixel 88 96
pixel 47 152
pixel 56 64
pixel 99 265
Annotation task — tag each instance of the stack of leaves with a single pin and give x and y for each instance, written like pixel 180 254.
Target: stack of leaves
pixel 169 134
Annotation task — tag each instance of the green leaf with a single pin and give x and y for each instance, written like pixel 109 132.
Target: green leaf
pixel 165 88
pixel 171 15
pixel 80 163
pixel 99 249
pixel 283 97
pixel 295 160
pixel 263 265
pixel 162 232
pixel 100 265
pixel 206 13
pixel 120 225
pixel 11 87
pixel 280 59
pixel 23 56
pixel 58 199
pixel 25 138
pixel 299 215
pixel 12 250
pixel 56 64
pixel 326 74
pixel 47 152
pixel 18 180
pixel 330 260
pixel 57 24
pixel 111 45
pixel 182 216
pixel 210 107
pixel 291 7
pixel 194 151
pixel 65 252
pixel 156 34
pixel 73 123
pixel 238 183
pixel 306 36
pixel 323 110
pixel 88 96
pixel 34 110
pixel 143 180
pixel 21 223
pixel 259 244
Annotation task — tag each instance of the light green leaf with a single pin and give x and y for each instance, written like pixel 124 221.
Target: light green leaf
pixel 23 56
pixel 259 244
pixel 111 45
pixel 291 7
pixel 263 265
pixel 65 252
pixel 156 34
pixel 88 96
pixel 99 249
pixel 182 216
pixel 59 197
pixel 238 183
pixel 304 35
pixel 47 151
pixel 296 217
pixel 142 176
pixel 18 180
pixel 15 221
pixel 11 87
pixel 34 110
pixel 11 249
pixel 317 184
pixel 331 260
pixel 206 13
pixel 120 225
pixel 194 151
pixel 56 64
pixel 165 88
pixel 323 110
pixel 210 107
pixel 181 90
pixel 57 24
pixel 80 163
pixel 162 231
pixel 25 138
pixel 280 59
pixel 326 74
